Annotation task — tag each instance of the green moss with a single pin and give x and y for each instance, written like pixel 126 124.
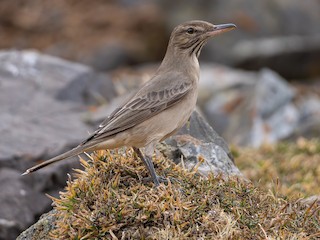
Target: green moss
pixel 109 201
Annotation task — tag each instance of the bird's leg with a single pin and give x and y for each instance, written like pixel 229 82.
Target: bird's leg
pixel 149 164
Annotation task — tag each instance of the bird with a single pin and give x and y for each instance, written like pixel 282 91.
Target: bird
pixel 161 106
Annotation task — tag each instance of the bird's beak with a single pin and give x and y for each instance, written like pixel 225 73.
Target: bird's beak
pixel 222 28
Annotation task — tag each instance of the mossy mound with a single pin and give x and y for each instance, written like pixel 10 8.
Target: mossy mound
pixel 108 200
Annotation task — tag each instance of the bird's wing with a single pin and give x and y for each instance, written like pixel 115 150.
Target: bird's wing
pixel 155 96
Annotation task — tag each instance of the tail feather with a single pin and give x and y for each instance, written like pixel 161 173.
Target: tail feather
pixel 73 152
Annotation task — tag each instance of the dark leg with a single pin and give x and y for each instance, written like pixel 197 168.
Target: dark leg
pixel 149 164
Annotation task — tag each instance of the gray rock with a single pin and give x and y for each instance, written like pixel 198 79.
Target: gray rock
pixel 197 141
pixel 90 88
pixel 271 93
pixel 221 91
pixel 269 110
pixel 52 179
pixel 109 57
pixel 19 204
pixel 215 79
pixel 34 123
pixel 8 229
pixel 42 115
pixel 278 126
pixel 98 116
pixel 249 109
pixel 41 229
pixel 309 118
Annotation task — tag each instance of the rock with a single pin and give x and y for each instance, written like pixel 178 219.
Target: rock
pixel 109 57
pixel 275 116
pixel 8 229
pixel 309 119
pixel 43 102
pixel 272 92
pixel 221 90
pixel 90 88
pixel 39 124
pixel 41 229
pixel 280 125
pixel 99 115
pixel 254 108
pixel 281 54
pixel 198 142
pixel 52 179
pixel 19 204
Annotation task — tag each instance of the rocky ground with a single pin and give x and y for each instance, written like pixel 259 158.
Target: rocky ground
pixel 269 93
pixel 42 120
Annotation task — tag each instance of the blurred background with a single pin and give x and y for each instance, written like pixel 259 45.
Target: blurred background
pixel 66 64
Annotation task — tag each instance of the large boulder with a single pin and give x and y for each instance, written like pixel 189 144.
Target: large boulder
pixel 35 124
pixel 43 101
pixel 20 204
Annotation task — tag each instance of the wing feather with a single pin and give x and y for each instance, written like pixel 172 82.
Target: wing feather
pixel 153 98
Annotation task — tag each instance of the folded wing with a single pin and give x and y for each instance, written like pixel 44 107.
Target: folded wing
pixel 154 97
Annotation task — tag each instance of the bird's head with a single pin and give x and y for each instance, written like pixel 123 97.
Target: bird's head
pixel 190 37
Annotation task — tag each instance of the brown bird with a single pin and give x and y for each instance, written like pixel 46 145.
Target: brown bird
pixel 161 106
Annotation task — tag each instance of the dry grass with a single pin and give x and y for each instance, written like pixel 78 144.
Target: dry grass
pixel 108 201
pixel 289 169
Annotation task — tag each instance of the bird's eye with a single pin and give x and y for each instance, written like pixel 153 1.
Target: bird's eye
pixel 190 30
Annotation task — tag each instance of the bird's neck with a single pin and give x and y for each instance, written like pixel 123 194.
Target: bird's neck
pixel 178 60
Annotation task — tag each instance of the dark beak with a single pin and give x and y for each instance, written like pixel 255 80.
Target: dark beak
pixel 218 29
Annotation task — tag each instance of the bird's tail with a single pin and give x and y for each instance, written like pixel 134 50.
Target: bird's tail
pixel 73 152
